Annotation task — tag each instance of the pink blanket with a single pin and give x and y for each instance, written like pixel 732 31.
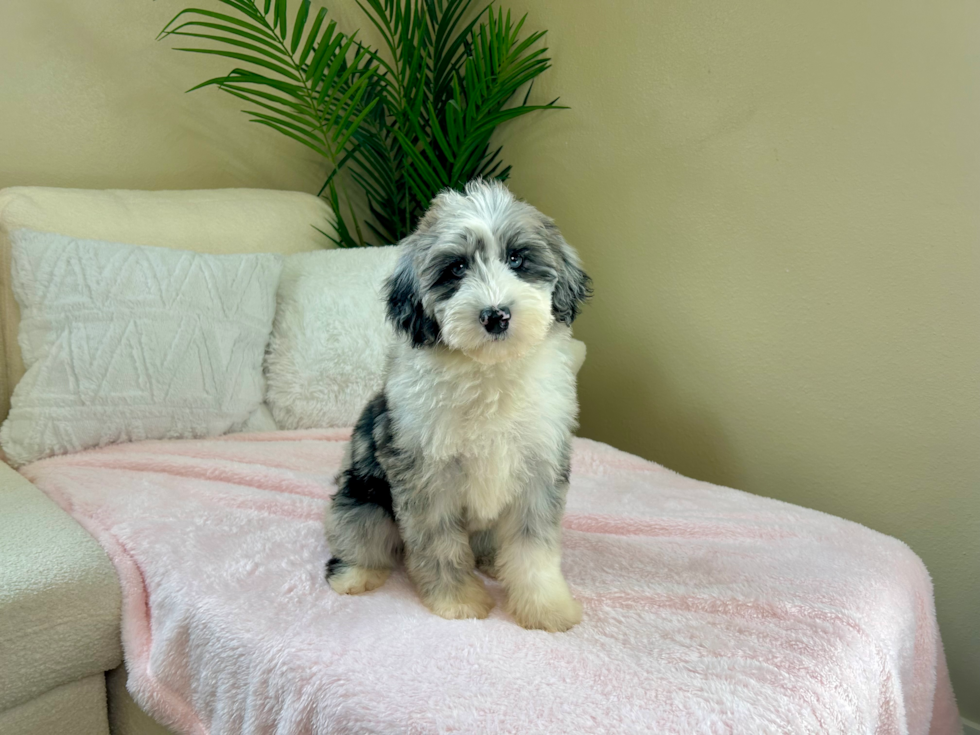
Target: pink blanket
pixel 706 610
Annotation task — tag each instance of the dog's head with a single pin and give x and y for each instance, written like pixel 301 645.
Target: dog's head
pixel 484 274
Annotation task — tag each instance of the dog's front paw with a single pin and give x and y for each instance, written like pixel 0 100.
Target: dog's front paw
pixel 555 613
pixel 471 601
pixel 353 580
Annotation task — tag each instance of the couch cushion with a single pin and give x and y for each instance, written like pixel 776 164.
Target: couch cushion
pixel 59 596
pixel 78 708
pixel 212 221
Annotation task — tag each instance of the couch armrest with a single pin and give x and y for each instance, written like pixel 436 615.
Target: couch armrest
pixel 59 596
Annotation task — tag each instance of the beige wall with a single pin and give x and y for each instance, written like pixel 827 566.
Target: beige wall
pixel 89 99
pixel 780 206
pixel 778 203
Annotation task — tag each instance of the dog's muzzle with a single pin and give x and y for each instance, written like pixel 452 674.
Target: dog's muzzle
pixel 495 319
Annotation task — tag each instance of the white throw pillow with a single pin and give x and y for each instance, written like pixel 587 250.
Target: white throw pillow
pixel 326 357
pixel 127 342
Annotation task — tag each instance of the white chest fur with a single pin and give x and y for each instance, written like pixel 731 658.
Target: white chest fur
pixel 491 423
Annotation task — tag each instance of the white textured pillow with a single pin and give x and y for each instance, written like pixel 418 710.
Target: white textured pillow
pixel 127 342
pixel 327 353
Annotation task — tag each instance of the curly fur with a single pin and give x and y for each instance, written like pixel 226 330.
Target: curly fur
pixel 463 457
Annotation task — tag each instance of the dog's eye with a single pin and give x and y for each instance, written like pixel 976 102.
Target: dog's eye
pixel 458 268
pixel 515 260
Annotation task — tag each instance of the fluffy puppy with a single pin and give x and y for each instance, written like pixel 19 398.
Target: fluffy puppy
pixel 462 460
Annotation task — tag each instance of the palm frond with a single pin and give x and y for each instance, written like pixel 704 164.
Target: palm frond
pixel 400 125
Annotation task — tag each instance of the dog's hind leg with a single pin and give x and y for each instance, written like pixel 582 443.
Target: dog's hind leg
pixel 360 524
pixel 364 546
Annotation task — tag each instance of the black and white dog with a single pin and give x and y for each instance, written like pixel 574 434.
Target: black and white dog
pixel 462 460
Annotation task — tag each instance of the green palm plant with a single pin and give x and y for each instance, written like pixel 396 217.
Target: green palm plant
pixel 400 125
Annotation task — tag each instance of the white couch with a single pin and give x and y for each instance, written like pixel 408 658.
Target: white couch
pixel 59 597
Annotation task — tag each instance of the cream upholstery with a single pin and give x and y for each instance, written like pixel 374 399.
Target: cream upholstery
pixel 76 708
pixel 59 597
pixel 213 221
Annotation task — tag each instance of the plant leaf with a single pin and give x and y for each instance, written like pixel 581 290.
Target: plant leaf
pixel 312 36
pixel 299 24
pixel 218 16
pixel 290 134
pixel 278 68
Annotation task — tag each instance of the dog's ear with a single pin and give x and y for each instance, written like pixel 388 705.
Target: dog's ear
pixel 574 286
pixel 404 299
pixel 403 290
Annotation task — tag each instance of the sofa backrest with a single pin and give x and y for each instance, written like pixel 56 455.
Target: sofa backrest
pixel 211 221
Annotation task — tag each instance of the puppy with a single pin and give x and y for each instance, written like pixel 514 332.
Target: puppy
pixel 462 460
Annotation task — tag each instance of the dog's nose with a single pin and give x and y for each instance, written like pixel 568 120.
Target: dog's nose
pixel 495 319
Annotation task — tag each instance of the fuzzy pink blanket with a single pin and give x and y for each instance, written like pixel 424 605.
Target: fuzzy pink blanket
pixel 706 609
